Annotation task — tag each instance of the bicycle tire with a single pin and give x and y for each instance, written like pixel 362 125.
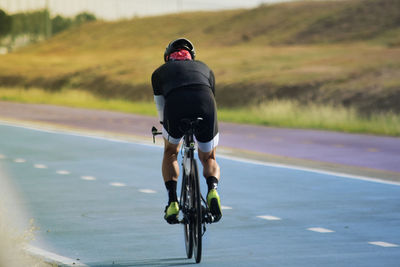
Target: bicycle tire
pixel 187 226
pixel 197 216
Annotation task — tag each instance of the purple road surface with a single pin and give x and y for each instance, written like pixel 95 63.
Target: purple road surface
pixel 350 149
pixel 365 151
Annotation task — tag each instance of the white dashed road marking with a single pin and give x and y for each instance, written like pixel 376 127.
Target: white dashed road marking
pixel 320 230
pixel 63 172
pixel 40 166
pixel 269 218
pixel 226 207
pixel 117 184
pixel 19 160
pixel 147 191
pixel 383 244
pixel 88 178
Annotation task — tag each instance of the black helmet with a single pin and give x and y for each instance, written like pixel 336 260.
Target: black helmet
pixel 177 44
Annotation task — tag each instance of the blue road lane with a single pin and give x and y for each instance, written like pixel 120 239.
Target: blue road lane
pixel 115 219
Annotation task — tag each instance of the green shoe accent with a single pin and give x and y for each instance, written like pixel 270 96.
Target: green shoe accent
pixel 214 204
pixel 171 213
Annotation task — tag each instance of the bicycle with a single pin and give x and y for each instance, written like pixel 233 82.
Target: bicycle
pixel 194 208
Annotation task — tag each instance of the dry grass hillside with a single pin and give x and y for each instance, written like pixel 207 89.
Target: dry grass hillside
pixel 327 52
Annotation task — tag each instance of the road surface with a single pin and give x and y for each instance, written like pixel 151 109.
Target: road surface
pixel 99 202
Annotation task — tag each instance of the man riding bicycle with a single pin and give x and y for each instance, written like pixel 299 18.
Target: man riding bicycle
pixel 184 88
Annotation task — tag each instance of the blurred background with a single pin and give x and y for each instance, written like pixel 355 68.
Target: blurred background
pixel 42 18
pixel 117 9
pixel 330 64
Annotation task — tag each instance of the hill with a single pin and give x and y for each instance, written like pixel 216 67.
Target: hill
pixel 314 22
pixel 336 52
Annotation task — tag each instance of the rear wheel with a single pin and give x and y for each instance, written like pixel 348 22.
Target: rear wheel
pixel 197 216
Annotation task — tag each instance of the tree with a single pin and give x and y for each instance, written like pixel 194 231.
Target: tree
pixel 60 23
pixel 5 23
pixel 84 17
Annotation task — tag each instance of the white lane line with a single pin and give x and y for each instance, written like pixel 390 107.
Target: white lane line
pixel 226 207
pixel 320 230
pixel 52 257
pixel 118 184
pixel 269 218
pixel 88 178
pixel 292 167
pixel 40 166
pixel 63 172
pixel 19 160
pixel 383 244
pixel 147 191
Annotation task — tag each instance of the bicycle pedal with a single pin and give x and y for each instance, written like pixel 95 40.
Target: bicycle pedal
pixel 172 219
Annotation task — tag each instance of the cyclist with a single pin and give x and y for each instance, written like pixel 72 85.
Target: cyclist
pixel 185 88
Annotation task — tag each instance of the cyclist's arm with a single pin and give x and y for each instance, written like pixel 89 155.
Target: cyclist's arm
pixel 160 101
pixel 158 96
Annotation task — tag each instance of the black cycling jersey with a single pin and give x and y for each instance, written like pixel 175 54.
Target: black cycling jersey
pixel 178 74
pixel 188 88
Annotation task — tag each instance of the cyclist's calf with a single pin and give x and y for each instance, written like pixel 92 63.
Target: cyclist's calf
pixel 170 166
pixel 210 165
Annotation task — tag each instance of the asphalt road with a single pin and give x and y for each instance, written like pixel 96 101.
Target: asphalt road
pixel 99 202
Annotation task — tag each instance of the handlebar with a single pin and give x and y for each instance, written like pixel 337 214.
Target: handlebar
pixel 155 132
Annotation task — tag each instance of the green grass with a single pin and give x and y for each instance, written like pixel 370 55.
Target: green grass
pixel 75 98
pixel 281 113
pixel 289 113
